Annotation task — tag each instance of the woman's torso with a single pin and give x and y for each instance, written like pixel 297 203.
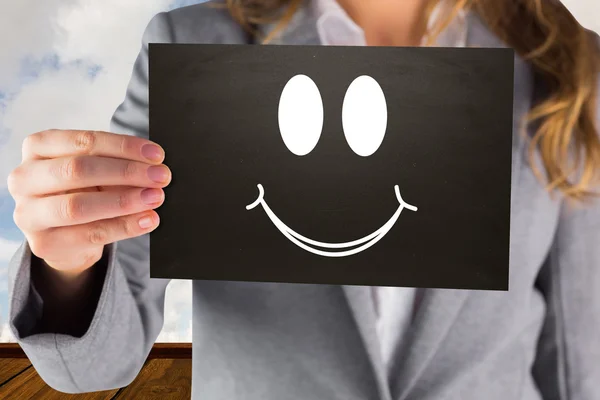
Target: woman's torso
pixel 289 341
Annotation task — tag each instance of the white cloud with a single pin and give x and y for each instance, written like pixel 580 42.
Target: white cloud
pixel 82 33
pixel 108 32
pixel 32 22
pixel 6 335
pixel 65 98
pixel 7 249
pixel 3 282
pixel 79 34
pixel 179 336
pixel 178 305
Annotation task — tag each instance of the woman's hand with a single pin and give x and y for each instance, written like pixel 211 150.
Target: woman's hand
pixel 77 191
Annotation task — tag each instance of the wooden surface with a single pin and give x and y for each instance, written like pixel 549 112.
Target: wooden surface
pixel 159 350
pixel 11 350
pixel 160 378
pixel 9 368
pixel 29 385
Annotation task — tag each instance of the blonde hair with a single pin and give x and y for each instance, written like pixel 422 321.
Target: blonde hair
pixel 563 53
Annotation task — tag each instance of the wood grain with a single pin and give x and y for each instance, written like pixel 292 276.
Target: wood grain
pixel 159 350
pixel 167 374
pixel 171 350
pixel 29 385
pixel 11 350
pixel 161 379
pixel 9 367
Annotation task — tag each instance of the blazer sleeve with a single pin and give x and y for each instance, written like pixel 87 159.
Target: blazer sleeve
pixel 568 359
pixel 129 313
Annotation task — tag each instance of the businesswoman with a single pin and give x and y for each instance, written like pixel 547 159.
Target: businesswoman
pixel 86 312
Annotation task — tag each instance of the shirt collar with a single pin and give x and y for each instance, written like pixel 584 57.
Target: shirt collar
pixel 335 27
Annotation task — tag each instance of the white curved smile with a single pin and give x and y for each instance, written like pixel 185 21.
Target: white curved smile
pixel 344 249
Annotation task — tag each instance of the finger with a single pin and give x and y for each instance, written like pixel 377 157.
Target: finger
pixel 63 143
pixel 95 189
pixel 83 207
pixel 42 177
pixel 77 239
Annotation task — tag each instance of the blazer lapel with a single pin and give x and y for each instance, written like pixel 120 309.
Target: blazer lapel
pixel 361 305
pixel 440 308
pixel 435 316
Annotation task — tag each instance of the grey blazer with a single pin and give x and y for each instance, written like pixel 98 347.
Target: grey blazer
pixel 261 341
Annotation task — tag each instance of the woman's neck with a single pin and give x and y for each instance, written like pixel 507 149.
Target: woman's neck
pixel 389 22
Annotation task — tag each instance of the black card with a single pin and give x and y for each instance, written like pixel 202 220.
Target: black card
pixel 334 165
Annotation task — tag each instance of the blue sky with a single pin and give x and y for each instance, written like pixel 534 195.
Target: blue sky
pixel 68 67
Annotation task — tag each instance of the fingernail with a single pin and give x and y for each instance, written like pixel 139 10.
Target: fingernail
pixel 152 196
pixel 152 152
pixel 158 173
pixel 146 222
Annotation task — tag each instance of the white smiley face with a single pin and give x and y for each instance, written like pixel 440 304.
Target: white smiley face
pixel 364 121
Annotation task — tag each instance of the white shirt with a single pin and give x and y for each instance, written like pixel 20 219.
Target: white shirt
pixel 394 306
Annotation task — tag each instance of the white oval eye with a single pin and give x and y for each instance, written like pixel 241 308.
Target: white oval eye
pixel 300 115
pixel 364 116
